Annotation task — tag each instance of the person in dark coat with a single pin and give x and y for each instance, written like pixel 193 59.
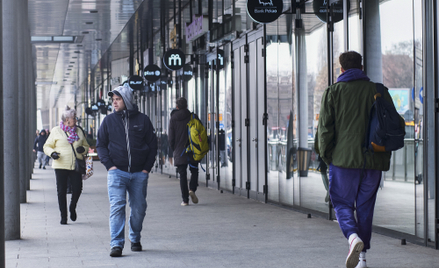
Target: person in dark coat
pixel 127 146
pixel 38 147
pixel 164 146
pixel 178 141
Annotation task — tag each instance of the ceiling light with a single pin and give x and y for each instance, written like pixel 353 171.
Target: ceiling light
pixel 69 69
pixel 98 39
pixel 74 57
pixel 93 11
pixel 85 32
pixel 88 22
pixel 72 62
pixel 76 51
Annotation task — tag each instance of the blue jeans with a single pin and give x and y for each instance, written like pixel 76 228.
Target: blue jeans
pixel 349 193
pixel 119 183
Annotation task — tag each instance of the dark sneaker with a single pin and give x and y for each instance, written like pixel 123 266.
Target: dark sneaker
pixel 116 252
pixel 193 197
pixel 136 246
pixel 63 221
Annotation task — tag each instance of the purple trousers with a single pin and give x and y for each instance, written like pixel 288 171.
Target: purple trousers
pixel 350 193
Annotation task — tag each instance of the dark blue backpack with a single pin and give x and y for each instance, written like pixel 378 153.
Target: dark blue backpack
pixel 385 132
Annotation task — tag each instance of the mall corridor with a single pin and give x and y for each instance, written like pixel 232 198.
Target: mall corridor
pixel 217 232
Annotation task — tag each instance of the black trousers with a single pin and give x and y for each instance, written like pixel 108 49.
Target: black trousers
pixel 62 176
pixel 193 184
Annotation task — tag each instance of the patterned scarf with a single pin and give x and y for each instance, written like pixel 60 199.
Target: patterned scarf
pixel 71 130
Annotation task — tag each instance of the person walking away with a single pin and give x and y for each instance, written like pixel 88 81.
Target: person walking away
pixel 164 147
pixel 66 143
pixel 38 148
pixel 178 140
pixel 127 146
pixel 354 177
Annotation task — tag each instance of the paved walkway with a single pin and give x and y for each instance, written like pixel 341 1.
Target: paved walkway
pixel 223 230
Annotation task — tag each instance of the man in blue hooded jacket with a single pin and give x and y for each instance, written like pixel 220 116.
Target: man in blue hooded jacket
pixel 127 147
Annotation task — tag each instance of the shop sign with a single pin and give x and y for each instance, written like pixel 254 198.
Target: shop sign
pixel 152 73
pixel 135 82
pixel 319 7
pixel 187 72
pixel 198 27
pixel 264 11
pixel 174 59
pixel 100 103
pixel 94 107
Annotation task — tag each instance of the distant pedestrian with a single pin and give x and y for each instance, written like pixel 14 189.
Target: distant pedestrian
pixel 127 146
pixel 178 140
pixel 38 147
pixel 47 156
pixel 66 143
pixel 344 115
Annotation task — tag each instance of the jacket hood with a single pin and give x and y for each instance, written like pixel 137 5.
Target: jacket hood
pixel 180 115
pixel 127 95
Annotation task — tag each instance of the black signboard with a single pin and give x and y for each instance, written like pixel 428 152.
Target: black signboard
pixel 187 72
pixel 174 59
pixel 319 7
pixel 100 102
pixel 135 82
pixel 152 73
pixel 264 11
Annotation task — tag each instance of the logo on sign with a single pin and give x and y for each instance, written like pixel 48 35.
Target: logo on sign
pixel 264 3
pixel 135 82
pixel 175 60
pixel 152 73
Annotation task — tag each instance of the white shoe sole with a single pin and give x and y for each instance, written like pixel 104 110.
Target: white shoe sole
pixel 354 254
pixel 194 198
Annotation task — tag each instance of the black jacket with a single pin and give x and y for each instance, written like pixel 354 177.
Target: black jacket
pixel 39 142
pixel 112 141
pixel 178 137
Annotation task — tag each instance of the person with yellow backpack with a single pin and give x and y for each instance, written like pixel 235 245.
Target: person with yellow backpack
pixel 188 139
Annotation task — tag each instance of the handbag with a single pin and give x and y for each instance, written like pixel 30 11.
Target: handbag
pixel 79 163
pixel 89 167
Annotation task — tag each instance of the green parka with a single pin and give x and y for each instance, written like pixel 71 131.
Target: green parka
pixel 344 115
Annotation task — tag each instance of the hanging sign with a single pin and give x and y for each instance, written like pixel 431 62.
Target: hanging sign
pixel 187 72
pixel 152 73
pixel 264 11
pixel 174 59
pixel 319 7
pixel 135 82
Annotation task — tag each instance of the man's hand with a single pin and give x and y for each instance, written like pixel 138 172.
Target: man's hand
pixel 113 168
pixel 34 150
pixel 144 171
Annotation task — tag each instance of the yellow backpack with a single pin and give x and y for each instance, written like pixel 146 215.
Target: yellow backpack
pixel 198 145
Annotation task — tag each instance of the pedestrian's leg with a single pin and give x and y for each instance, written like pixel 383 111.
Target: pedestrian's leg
pixel 40 158
pixel 61 188
pixel 182 170
pixel 343 188
pixel 194 179
pixel 76 181
pixel 117 181
pixel 366 205
pixel 137 189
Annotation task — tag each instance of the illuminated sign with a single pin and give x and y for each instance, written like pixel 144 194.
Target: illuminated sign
pixel 152 73
pixel 174 59
pixel 319 7
pixel 135 82
pixel 187 72
pixel 264 11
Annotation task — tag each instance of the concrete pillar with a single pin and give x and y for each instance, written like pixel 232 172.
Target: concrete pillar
pixel 373 63
pixel 21 45
pixel 301 87
pixel 2 127
pixel 10 117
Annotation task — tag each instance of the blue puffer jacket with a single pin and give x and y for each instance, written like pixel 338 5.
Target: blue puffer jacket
pixel 127 140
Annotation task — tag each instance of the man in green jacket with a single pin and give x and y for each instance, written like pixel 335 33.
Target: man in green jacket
pixel 343 120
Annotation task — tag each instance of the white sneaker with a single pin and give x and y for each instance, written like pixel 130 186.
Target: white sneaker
pixel 193 197
pixel 361 263
pixel 184 204
pixel 354 252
